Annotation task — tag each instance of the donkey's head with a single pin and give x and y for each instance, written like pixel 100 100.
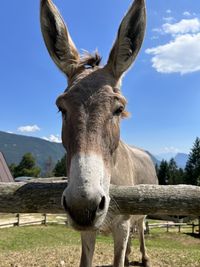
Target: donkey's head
pixel 91 107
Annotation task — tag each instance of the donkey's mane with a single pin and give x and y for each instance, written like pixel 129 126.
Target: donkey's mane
pixel 89 60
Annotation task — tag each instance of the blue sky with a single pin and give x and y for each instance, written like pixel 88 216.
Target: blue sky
pixel 162 87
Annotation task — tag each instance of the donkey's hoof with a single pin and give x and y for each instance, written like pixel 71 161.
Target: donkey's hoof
pixel 146 262
pixel 126 262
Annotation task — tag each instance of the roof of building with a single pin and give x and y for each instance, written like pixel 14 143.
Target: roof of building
pixel 5 174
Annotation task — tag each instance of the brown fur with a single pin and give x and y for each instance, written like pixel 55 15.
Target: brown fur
pixel 92 107
pixel 88 121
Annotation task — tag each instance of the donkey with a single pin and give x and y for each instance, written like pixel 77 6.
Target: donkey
pixel 92 107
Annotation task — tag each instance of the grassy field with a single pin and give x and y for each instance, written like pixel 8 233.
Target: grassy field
pixel 59 246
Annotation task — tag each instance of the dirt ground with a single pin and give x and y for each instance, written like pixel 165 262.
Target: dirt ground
pixel 69 257
pixel 59 246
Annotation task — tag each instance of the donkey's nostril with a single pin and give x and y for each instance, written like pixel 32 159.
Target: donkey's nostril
pixel 65 204
pixel 102 203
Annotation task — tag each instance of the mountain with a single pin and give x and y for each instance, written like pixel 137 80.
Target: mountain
pixel 15 146
pixel 181 159
pixel 166 156
pixel 153 158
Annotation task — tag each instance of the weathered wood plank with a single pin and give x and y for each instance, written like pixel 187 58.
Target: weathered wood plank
pixel 45 197
pixel 157 199
pixel 31 197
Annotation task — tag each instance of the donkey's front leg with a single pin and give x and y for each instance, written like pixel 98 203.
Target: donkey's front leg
pixel 88 245
pixel 121 230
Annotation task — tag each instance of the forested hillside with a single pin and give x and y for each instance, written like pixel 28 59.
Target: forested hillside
pixel 15 146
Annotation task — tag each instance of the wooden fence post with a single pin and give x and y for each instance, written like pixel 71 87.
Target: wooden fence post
pixel 45 219
pixel 193 226
pixel 18 220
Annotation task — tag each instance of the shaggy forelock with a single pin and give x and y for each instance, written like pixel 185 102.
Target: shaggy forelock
pixel 89 60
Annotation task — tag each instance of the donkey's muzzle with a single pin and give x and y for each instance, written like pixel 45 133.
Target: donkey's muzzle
pixel 84 213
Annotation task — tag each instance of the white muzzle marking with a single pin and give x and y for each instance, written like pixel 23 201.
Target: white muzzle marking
pixel 88 189
pixel 87 171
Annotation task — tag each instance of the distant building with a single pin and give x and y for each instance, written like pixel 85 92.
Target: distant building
pixel 5 174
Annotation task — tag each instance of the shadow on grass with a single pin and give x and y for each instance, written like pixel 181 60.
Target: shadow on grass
pixel 193 235
pixel 135 263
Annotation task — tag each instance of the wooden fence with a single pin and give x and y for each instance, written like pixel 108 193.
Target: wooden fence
pixel 12 220
pixel 195 228
pixel 21 220
pixel 45 197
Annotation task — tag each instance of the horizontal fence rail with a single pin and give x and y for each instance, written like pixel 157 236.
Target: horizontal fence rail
pixel 171 225
pixel 22 219
pixel 44 196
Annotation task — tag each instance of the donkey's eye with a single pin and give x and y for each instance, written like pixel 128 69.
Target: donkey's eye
pixel 118 111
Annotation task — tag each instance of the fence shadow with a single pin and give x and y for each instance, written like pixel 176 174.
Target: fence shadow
pixel 193 235
pixel 133 263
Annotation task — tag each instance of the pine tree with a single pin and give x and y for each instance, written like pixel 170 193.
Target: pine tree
pixel 173 172
pixel 180 176
pixel 163 173
pixel 27 167
pixel 60 168
pixel 192 169
pixel 198 181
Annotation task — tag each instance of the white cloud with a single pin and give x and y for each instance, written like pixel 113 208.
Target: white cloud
pixel 186 14
pixel 171 149
pixel 168 19
pixel 182 27
pixel 168 11
pixel 182 53
pixel 167 153
pixel 53 138
pixel 157 30
pixel 154 37
pixel 28 129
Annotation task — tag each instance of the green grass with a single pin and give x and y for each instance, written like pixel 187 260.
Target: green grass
pixel 172 241
pixel 20 238
pixel 45 245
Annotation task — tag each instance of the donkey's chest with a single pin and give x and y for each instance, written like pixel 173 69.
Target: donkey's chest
pixel 111 220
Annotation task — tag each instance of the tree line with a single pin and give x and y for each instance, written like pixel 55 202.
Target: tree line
pixel 169 174
pixel 27 167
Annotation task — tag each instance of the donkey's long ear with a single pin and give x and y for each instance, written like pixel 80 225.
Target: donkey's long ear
pixel 129 39
pixel 57 39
